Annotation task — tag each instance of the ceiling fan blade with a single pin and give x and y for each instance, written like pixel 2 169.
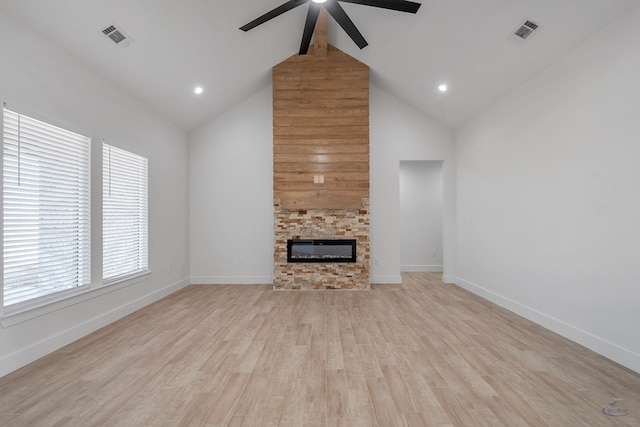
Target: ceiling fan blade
pixel 285 7
pixel 309 26
pixel 399 5
pixel 345 22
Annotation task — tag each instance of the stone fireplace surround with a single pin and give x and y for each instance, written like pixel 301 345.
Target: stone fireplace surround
pixel 321 224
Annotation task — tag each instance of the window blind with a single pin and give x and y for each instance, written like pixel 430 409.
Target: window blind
pixel 46 210
pixel 124 213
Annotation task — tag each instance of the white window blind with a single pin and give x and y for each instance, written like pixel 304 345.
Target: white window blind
pixel 124 213
pixel 46 210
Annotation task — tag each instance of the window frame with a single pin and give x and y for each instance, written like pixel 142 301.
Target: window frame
pixel 146 269
pixel 46 299
pixel 18 313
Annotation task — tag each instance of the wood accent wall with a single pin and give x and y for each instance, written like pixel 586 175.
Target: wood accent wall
pixel 321 128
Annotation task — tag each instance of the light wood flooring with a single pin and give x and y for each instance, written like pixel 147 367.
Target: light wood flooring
pixel 419 354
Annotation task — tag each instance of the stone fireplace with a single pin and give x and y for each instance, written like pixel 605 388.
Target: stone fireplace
pixel 322 224
pixel 321 169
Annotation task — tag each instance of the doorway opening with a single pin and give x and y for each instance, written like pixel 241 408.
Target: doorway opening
pixel 421 216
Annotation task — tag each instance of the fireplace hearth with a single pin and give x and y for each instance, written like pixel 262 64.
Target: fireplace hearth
pixel 321 250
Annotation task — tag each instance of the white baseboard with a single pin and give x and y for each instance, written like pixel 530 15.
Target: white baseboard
pixel 232 280
pixel 379 280
pixel 421 268
pixel 33 352
pixel 618 354
pixel 449 280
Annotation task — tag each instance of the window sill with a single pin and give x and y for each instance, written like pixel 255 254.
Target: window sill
pixel 67 299
pixel 130 278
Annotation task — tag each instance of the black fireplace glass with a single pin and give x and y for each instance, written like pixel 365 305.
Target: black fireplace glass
pixel 321 250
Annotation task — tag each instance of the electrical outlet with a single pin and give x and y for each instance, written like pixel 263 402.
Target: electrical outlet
pixel 376 261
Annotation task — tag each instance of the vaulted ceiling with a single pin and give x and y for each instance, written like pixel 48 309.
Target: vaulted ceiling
pixel 467 44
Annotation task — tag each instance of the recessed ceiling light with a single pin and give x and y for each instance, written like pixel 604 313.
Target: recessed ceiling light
pixel 443 88
pixel 319 1
pixel 198 90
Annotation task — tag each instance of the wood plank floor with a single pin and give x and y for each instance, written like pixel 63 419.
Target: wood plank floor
pixel 420 354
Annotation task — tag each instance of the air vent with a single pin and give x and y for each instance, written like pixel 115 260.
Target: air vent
pixel 526 30
pixel 117 35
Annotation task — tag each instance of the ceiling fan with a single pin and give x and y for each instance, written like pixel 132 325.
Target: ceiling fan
pixel 335 10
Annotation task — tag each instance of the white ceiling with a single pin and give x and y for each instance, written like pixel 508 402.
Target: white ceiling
pixel 180 44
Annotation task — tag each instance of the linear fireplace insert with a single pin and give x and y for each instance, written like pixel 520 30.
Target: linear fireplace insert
pixel 321 250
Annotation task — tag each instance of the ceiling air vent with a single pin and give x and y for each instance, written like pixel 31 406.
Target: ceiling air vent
pixel 527 29
pixel 117 35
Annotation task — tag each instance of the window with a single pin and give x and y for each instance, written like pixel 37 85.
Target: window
pixel 46 209
pixel 124 214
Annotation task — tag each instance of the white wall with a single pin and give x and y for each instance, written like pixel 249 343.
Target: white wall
pixel 232 188
pixel 548 197
pixel 232 195
pixel 421 216
pixel 399 132
pixel 37 76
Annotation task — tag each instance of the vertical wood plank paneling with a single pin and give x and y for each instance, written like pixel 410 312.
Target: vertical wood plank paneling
pixel 321 128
